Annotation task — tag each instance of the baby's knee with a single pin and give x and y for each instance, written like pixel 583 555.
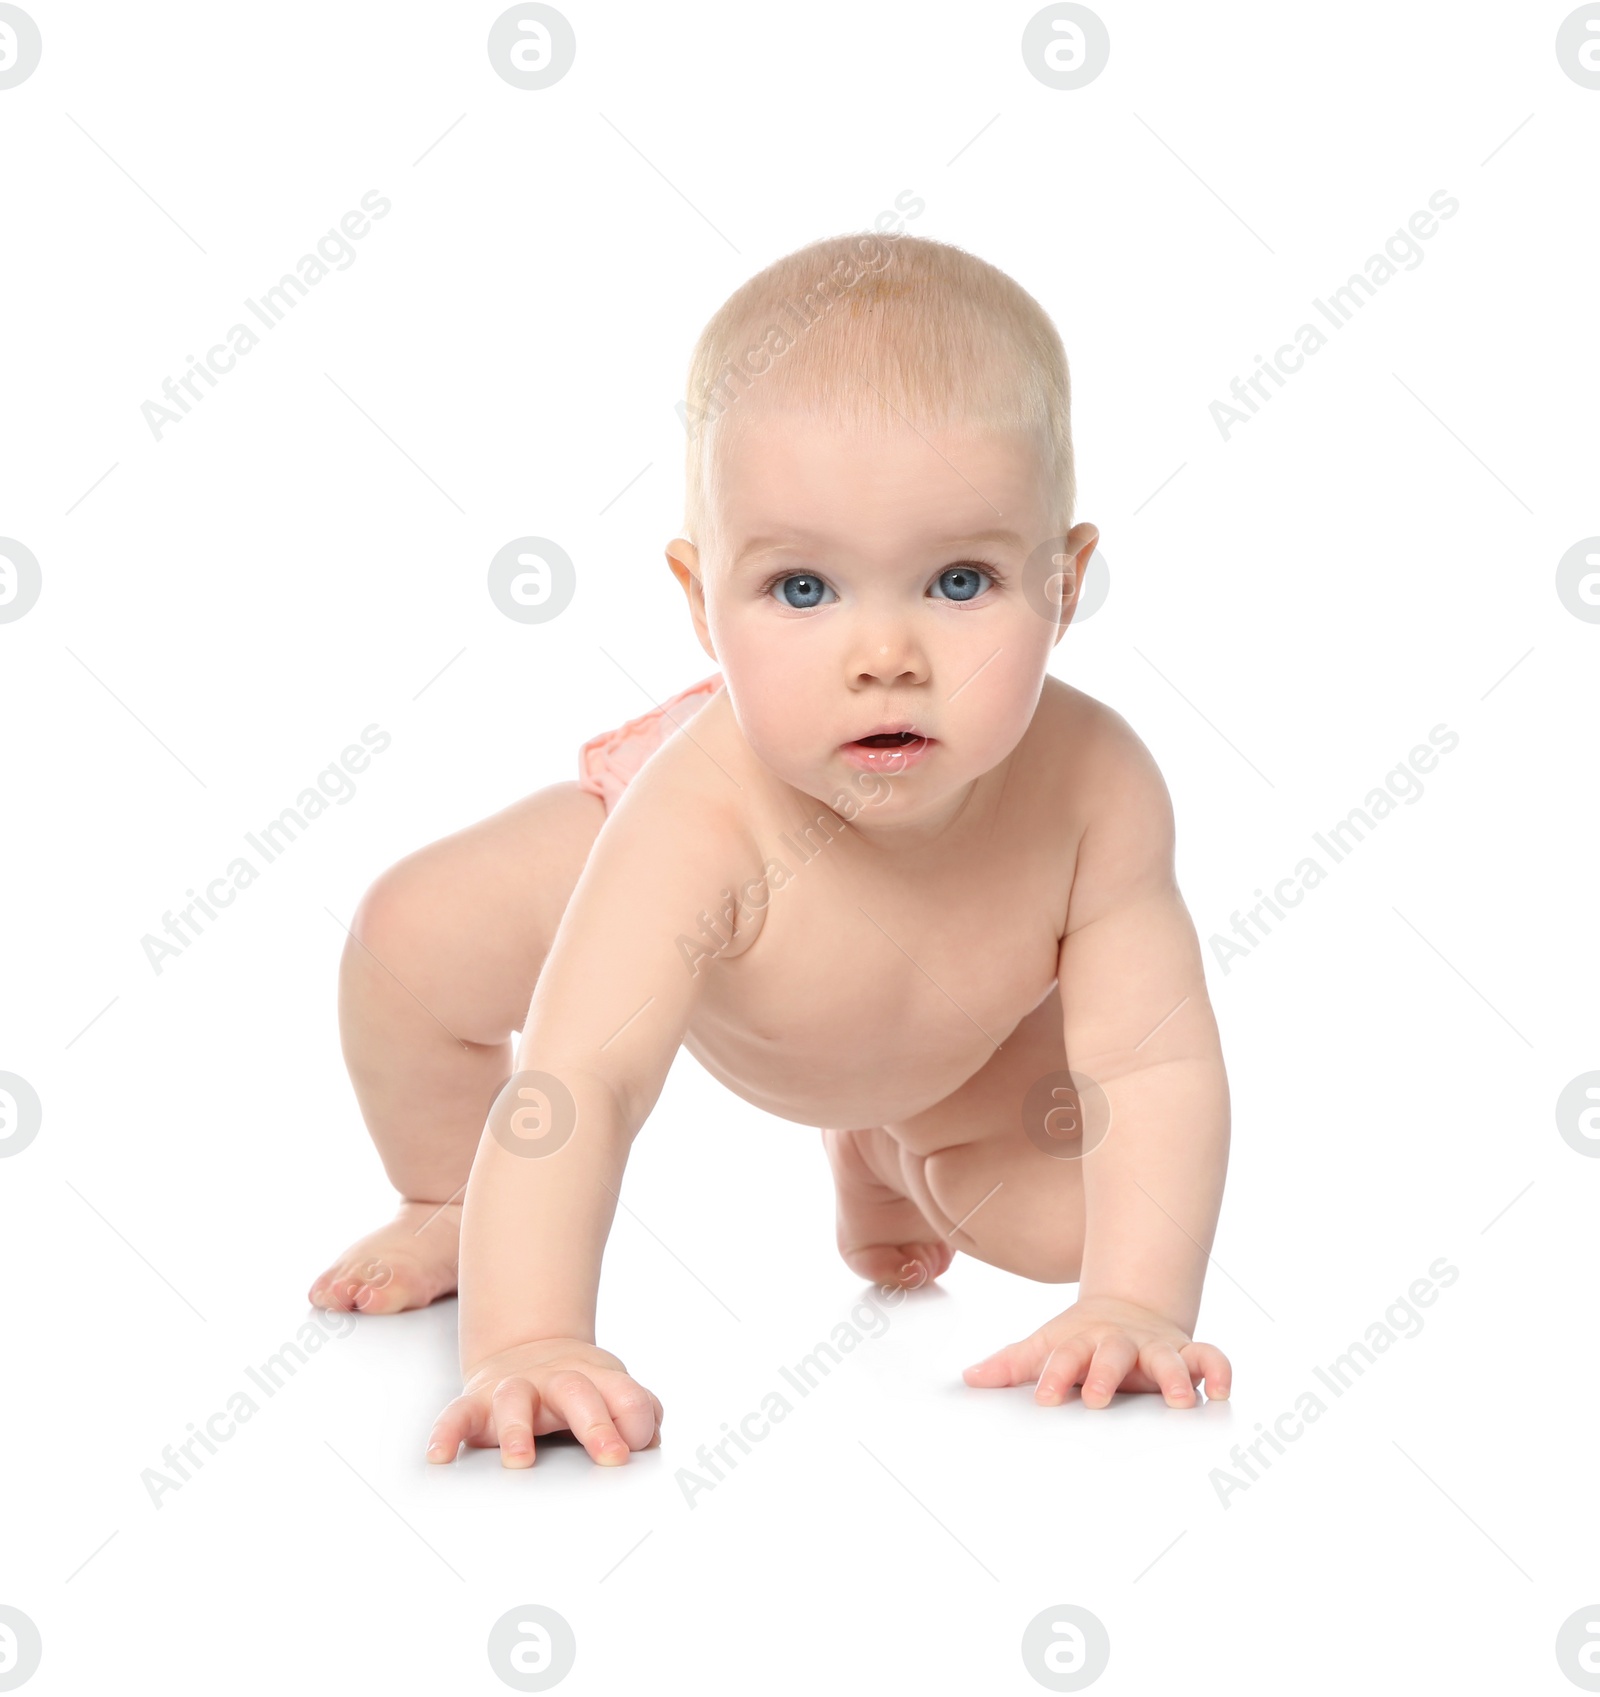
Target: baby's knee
pixel 1014 1208
pixel 397 922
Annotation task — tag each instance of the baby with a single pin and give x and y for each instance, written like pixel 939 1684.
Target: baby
pixel 880 874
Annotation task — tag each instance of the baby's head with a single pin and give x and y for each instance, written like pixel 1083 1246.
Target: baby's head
pixel 879 514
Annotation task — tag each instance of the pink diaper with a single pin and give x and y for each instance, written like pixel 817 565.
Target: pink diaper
pixel 607 763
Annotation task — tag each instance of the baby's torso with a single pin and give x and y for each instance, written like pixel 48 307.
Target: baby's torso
pixel 858 986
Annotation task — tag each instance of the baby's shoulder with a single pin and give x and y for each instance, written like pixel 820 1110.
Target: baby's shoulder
pixel 1116 799
pixel 690 794
pixel 1097 756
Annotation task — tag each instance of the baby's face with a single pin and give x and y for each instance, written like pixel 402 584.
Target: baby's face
pixel 855 584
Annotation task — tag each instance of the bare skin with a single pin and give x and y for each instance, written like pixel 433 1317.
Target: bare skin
pixel 903 957
pixel 444 952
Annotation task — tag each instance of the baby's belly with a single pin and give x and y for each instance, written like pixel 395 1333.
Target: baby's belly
pixel 853 1065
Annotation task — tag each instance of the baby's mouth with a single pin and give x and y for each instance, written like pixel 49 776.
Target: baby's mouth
pixel 892 752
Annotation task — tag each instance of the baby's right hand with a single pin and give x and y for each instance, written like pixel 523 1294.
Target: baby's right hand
pixel 554 1385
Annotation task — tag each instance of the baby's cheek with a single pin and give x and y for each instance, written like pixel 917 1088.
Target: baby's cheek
pixel 993 726
pixel 779 706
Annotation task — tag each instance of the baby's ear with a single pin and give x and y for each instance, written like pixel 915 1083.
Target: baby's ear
pixel 684 559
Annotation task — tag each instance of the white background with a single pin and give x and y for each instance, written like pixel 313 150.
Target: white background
pixel 224 609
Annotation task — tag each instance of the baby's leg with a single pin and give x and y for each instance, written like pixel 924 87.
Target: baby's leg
pixel 882 1234
pixel 964 1175
pixel 437 976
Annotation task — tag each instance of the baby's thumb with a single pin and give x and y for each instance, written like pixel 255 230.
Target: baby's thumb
pixel 1016 1364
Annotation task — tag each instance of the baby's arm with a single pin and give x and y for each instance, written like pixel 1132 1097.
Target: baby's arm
pixel 1138 1022
pixel 610 1008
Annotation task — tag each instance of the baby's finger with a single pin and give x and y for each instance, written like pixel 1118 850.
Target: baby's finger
pixel 635 1411
pixel 1168 1372
pixel 1016 1364
pixel 515 1403
pixel 1063 1370
pixel 1111 1364
pixel 1206 1361
pixel 462 1422
pixel 581 1406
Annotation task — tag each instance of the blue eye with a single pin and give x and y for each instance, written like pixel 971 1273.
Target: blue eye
pixel 961 583
pixel 807 590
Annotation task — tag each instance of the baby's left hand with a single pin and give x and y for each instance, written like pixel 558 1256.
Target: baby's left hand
pixel 1108 1345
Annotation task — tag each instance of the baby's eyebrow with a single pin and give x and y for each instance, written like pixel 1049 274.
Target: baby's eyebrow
pixel 759 545
pixel 1010 537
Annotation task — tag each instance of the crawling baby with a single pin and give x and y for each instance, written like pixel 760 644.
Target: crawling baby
pixel 1021 1063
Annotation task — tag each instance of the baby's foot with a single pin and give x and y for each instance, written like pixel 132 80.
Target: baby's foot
pixel 405 1264
pixel 883 1235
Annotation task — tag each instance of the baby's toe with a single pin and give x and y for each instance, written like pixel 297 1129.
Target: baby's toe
pixel 406 1264
pixel 334 1289
pixel 394 1286
pixel 907 1264
pixel 373 1286
pixel 924 1261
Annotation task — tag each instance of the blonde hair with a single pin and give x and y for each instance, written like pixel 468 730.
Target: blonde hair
pixel 859 328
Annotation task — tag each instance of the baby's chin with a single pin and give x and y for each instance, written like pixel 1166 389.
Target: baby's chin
pixel 893 783
pixel 859 795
